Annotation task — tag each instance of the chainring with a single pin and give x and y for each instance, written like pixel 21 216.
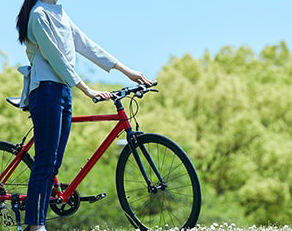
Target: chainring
pixel 68 208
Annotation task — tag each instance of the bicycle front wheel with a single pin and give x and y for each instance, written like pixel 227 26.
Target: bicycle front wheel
pixel 178 205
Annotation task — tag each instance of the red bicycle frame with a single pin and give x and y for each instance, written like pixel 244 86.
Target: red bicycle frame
pixel 123 124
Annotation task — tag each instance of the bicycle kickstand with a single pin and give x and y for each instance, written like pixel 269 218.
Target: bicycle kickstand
pixel 15 203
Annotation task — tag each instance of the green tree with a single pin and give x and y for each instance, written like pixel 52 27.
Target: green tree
pixel 235 118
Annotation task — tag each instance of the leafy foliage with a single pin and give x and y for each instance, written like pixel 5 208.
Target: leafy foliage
pixel 236 109
pixel 231 112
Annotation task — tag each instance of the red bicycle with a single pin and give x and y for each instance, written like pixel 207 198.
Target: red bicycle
pixel 156 182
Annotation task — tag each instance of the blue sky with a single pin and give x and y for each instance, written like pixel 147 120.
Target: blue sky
pixel 143 34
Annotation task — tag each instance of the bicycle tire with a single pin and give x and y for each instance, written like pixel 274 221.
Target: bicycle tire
pixel 178 206
pixel 17 182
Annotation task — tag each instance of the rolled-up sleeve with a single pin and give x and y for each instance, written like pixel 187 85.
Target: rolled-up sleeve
pixel 91 50
pixel 47 44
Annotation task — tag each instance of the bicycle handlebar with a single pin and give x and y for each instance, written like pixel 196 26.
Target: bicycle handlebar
pixel 139 90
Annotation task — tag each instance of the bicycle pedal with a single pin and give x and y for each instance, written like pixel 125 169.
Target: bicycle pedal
pixel 92 199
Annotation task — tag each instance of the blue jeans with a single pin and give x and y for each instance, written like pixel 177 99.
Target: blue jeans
pixel 50 108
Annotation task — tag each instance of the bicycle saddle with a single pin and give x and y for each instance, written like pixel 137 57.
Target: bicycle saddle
pixel 15 101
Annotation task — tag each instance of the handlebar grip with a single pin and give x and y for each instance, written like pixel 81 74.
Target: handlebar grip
pixel 97 99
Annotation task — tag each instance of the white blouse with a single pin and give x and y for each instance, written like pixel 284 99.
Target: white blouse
pixel 53 40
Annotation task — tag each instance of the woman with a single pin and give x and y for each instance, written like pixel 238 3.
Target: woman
pixel 51 40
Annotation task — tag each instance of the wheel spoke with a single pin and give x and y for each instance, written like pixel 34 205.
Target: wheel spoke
pixel 176 177
pixel 16 177
pixel 135 190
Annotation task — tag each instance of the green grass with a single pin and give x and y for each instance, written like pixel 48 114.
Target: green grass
pixel 214 226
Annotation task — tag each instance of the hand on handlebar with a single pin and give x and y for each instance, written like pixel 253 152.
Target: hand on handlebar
pixel 139 78
pixel 93 93
pixel 135 76
pixel 103 94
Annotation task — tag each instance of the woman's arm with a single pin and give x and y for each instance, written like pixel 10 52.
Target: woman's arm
pixel 93 93
pixel 135 76
pixel 90 50
pixel 103 59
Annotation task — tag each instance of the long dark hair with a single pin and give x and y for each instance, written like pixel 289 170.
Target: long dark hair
pixel 22 19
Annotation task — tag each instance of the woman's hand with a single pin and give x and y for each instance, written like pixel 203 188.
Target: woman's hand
pixel 93 93
pixel 135 76
pixel 138 77
pixel 103 94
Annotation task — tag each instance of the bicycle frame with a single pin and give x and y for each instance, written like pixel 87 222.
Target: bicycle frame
pixel 123 124
pixel 139 149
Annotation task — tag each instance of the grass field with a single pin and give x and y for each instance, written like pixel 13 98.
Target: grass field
pixel 220 227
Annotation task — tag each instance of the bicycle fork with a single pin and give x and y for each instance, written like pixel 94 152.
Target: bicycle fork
pixel 132 139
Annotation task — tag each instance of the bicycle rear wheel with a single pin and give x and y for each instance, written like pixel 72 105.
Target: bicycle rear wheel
pixel 17 182
pixel 176 206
